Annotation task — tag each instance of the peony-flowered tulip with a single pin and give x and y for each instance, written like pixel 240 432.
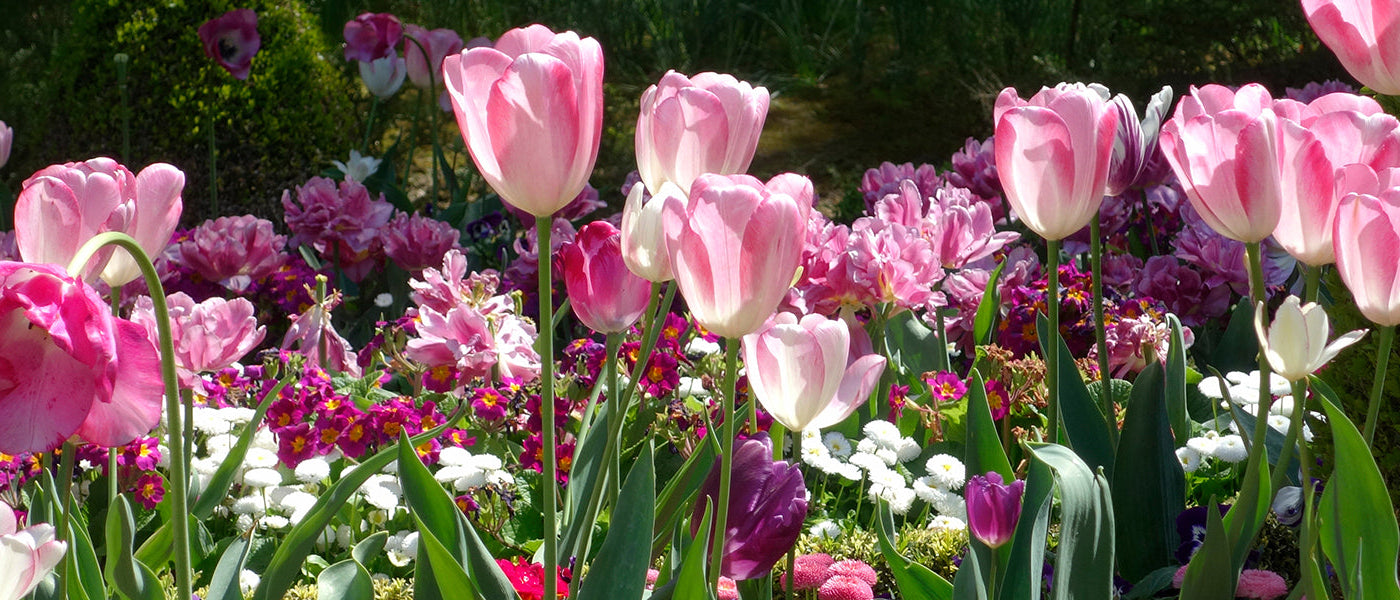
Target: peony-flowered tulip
pixel 993 507
pixel 735 245
pixel 341 221
pixel 68 366
pixel 767 504
pixel 1223 145
pixel 232 40
pixel 643 241
pixel 426 71
pixel 1361 34
pixel 63 206
pixel 7 138
pixel 208 336
pixel 416 242
pixel 708 123
pixel 232 251
pixel 1366 239
pixel 531 112
pixel 1052 156
pixel 805 372
pixel 27 556
pixel 372 36
pixel 605 295
pixel 1296 343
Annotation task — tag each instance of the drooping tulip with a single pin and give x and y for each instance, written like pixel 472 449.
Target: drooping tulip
pixel 1223 145
pixel 27 556
pixel 208 335
pixel 805 373
pixel 312 333
pixel 708 123
pixel 767 503
pixel 1052 156
pixel 1361 34
pixel 1366 239
pixel 424 70
pixel 735 245
pixel 643 241
pixel 993 507
pixel 232 40
pixel 68 366
pixel 605 296
pixel 1296 343
pixel 531 113
pixel 372 36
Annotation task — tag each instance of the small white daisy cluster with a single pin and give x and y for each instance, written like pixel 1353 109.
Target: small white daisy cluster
pixel 1242 390
pixel 877 458
pixel 462 470
pixel 1229 448
pixel 401 548
pixel 946 475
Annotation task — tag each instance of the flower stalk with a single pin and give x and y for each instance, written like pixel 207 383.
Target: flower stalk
pixel 1100 333
pixel 731 373
pixel 1373 409
pixel 1052 345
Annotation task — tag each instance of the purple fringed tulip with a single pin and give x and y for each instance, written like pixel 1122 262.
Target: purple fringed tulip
pixel 1362 35
pixel 605 296
pixel 372 36
pixel 231 40
pixel 1366 239
pixel 531 113
pixel 708 123
pixel 233 251
pixel 806 373
pixel 208 335
pixel 767 503
pixel 993 507
pixel 27 555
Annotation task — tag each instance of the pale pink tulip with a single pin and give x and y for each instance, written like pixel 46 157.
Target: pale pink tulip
pixel 708 123
pixel 805 373
pixel 643 241
pixel 1223 146
pixel 68 367
pixel 27 556
pixel 1362 35
pixel 1366 239
pixel 1052 156
pixel 384 76
pixel 735 246
pixel 63 206
pixel 531 112
pixel 605 296
pixel 7 137
pixel 208 335
pixel 426 71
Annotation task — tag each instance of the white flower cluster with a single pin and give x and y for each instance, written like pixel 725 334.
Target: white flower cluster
pixel 1229 448
pixel 464 470
pixel 876 458
pixel 1242 390
pixel 946 475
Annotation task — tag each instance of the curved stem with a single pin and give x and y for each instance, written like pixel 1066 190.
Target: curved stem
pixel 112 488
pixel 1373 410
pixel 1100 333
pixel 1052 345
pixel 731 373
pixel 551 464
pixel 369 123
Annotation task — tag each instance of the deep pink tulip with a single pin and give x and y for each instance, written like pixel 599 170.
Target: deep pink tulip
pixel 208 335
pixel 63 206
pixel 993 507
pixel 232 40
pixel 68 367
pixel 1052 155
pixel 372 36
pixel 233 251
pixel 1223 146
pixel 735 245
pixel 7 137
pixel 1366 239
pixel 643 241
pixel 606 296
pixel 27 555
pixel 767 503
pixel 708 123
pixel 531 112
pixel 1362 35
pixel 425 71
pixel 805 373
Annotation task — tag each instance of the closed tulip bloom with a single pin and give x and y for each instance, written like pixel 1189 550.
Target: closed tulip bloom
pixel 232 40
pixel 1135 142
pixel 531 112
pixel 993 507
pixel 643 241
pixel 1052 156
pixel 708 123
pixel 207 336
pixel 805 372
pixel 27 556
pixel 372 36
pixel 425 71
pixel 63 206
pixel 735 245
pixel 1223 145
pixel 767 503
pixel 1361 34
pixel 384 76
pixel 1366 239
pixel 604 294
pixel 1296 343
pixel 7 137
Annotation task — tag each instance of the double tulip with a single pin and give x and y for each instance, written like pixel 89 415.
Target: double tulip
pixel 1362 35
pixel 605 295
pixel 207 336
pixel 805 372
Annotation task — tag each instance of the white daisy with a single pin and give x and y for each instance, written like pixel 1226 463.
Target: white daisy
pixel 946 471
pixel 1230 448
pixel 1190 459
pixel 837 444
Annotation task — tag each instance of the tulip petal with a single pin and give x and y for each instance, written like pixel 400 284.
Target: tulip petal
pixel 45 393
pixel 135 406
pixel 856 384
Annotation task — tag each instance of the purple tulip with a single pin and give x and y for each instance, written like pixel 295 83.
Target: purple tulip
pixel 767 503
pixel 232 39
pixel 372 36
pixel 993 508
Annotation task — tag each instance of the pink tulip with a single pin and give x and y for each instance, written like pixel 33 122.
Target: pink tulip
pixel 605 296
pixel 1052 156
pixel 63 206
pixel 708 123
pixel 7 137
pixel 805 373
pixel 735 245
pixel 233 251
pixel 27 556
pixel 312 330
pixel 232 40
pixel 208 336
pixel 643 241
pixel 372 36
pixel 1224 147
pixel 426 71
pixel 68 366
pixel 531 112
pixel 1361 34
pixel 1366 239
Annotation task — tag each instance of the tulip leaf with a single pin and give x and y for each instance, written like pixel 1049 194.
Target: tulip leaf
pixel 1027 547
pixel 1238 346
pixel 984 324
pixel 914 347
pixel 131 579
pixel 369 547
pixel 345 580
pixel 223 584
pixel 216 491
pixel 438 571
pixel 1175 384
pixel 969 583
pixel 1356 515
pixel 1081 419
pixel 621 568
pixel 1149 489
pixel 1247 514
pixel 914 581
pixel 1153 582
pixel 983 451
pixel 674 501
pixel 760 588
pixel 1210 574
pixel 691 582
pixel 585 474
pixel 1084 563
pixel 86 581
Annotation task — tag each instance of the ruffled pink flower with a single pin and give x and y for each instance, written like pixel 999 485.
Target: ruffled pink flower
pixel 1261 584
pixel 232 40
pixel 844 587
pixel 461 338
pixel 372 36
pixel 339 220
pixel 854 568
pixel 461 322
pixel 887 263
pixel 809 571
pixel 233 251
pixel 888 177
pixel 961 229
pixel 208 336
pixel 312 330
pixel 416 242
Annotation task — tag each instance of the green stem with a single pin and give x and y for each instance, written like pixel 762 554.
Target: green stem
pixel 1261 418
pixel 775 433
pixel 1100 334
pixel 1052 345
pixel 551 465
pixel 608 477
pixel 65 494
pixel 655 320
pixel 369 123
pixel 1373 411
pixel 187 399
pixel 1300 404
pixel 115 298
pixel 1312 282
pixel 992 578
pixel 731 373
pixel 322 340
pixel 213 171
pixel 122 59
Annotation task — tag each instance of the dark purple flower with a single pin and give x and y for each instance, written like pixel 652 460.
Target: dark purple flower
pixel 883 181
pixel 1136 140
pixel 767 503
pixel 231 40
pixel 1181 290
pixel 993 508
pixel 372 36
pixel 1191 527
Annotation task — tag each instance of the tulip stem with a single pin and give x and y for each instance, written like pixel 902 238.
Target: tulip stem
pixel 1261 416
pixel 1312 282
pixel 213 170
pixel 1300 408
pixel 115 298
pixel 1052 345
pixel 369 122
pixel 731 372
pixel 1100 335
pixel 551 465
pixel 655 322
pixel 1387 337
pixel 608 477
pixel 65 495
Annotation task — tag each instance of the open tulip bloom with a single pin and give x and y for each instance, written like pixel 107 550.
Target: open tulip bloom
pixel 804 373
pixel 27 556
pixel 1296 342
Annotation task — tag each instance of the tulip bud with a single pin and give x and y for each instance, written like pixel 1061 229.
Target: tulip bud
pixel 993 508
pixel 766 507
pixel 605 295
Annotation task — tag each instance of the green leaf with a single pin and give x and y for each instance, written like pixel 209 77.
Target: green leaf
pixel 1083 422
pixel 984 324
pixel 621 568
pixel 1027 555
pixel 224 585
pixel 345 580
pixel 983 452
pixel 1210 575
pixel 914 348
pixel 914 581
pixel 1247 514
pixel 1153 582
pixel 760 588
pixel 1176 384
pixel 1238 346
pixel 585 474
pixel 1084 558
pixel 131 579
pixel 1356 515
pixel 369 547
pixel 158 548
pixel 439 570
pixel 83 566
pixel 216 491
pixel 970 582
pixel 674 501
pixel 691 581
pixel 1149 490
